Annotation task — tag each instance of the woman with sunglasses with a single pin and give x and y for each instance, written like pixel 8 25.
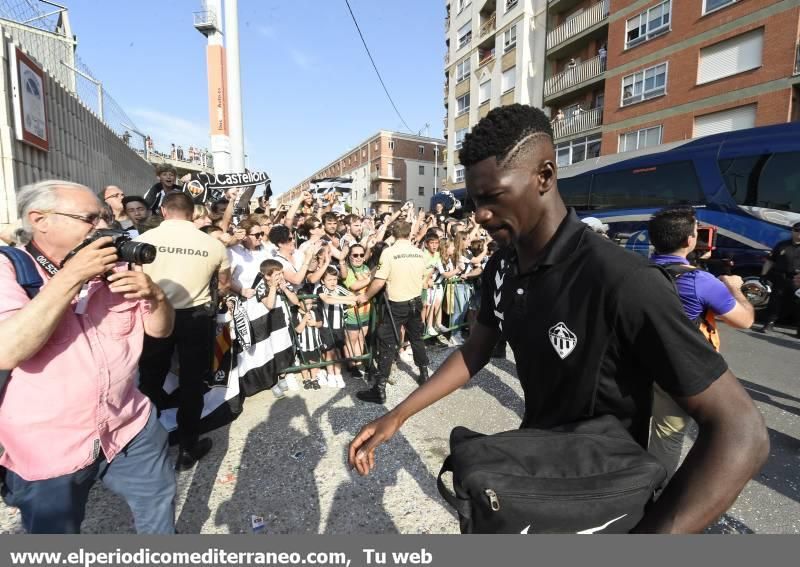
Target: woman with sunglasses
pixel 246 258
pixel 356 321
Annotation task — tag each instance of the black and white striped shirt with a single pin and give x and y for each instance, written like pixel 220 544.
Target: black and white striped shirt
pixel 307 339
pixel 333 315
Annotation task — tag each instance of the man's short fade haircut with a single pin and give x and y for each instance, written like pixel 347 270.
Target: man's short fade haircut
pixel 670 228
pixel 280 234
pixel 133 199
pixel 164 168
pixel 500 133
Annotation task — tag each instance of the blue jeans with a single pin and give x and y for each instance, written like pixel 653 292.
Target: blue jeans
pixel 462 294
pixel 141 473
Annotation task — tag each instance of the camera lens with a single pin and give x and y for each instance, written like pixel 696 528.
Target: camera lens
pixel 137 252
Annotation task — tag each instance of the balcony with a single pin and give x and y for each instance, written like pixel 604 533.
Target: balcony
pixel 378 176
pixel 447 58
pixel 446 24
pixel 205 22
pixel 486 56
pixel 510 4
pixel 573 125
pixel 569 78
pixel 488 26
pixel 586 20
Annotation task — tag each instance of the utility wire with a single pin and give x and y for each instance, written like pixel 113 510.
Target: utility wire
pixel 376 68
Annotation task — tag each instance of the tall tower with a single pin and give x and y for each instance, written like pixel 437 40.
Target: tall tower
pixel 208 22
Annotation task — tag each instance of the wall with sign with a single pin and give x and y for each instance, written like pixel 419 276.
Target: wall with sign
pixel 80 147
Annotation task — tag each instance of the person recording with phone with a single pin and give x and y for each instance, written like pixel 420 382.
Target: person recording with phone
pixel 71 412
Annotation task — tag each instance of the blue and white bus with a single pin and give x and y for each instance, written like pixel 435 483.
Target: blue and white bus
pixel 744 183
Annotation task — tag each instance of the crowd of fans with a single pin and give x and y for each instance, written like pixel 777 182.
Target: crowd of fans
pixel 317 261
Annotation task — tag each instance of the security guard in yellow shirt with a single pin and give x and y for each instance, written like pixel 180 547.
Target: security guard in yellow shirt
pixel 186 264
pixel 401 271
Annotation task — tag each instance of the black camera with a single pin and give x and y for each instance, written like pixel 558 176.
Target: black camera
pixel 127 249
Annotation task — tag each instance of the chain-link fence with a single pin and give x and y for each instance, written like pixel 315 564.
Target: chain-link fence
pixel 25 20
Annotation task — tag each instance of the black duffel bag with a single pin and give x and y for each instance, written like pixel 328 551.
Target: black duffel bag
pixel 586 477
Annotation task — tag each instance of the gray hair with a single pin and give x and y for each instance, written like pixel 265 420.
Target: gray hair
pixel 40 196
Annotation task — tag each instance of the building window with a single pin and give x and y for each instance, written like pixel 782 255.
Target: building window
pixel 730 57
pixel 462 69
pixel 484 92
pixel 510 4
pixel 645 84
pixel 711 5
pixel 421 150
pixel 363 153
pixel 422 170
pixel 725 121
pixel 464 34
pixel 390 192
pixel 648 24
pixel 509 79
pixel 390 169
pixel 575 151
pixel 421 191
pixel 391 144
pixel 376 146
pixel 510 38
pixel 459 173
pixel 460 137
pixel 644 138
pixel 463 4
pixel 462 104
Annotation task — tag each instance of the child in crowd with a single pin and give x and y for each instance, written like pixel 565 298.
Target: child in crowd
pixel 307 325
pixel 334 297
pixel 273 292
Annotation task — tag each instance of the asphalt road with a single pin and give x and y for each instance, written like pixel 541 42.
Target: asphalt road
pixel 284 460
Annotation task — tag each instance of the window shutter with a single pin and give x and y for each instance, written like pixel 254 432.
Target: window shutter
pixel 729 57
pixel 725 121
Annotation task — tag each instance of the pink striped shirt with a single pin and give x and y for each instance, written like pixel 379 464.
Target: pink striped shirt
pixel 78 395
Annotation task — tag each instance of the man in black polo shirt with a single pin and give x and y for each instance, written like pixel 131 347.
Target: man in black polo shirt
pixel 591 326
pixel 781 268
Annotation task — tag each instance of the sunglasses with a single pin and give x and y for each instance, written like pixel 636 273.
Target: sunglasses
pixel 257 235
pixel 357 255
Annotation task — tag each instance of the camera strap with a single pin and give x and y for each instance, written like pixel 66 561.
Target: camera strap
pixel 41 259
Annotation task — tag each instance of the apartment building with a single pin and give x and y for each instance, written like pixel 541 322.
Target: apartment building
pixel 491 61
pixel 623 75
pixel 388 169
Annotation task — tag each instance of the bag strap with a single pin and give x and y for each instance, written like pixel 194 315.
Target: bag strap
pixel 27 277
pixel 461 505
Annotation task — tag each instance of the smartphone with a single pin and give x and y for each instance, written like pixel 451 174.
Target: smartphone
pixel 706 239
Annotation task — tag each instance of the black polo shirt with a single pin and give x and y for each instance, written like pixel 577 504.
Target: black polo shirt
pixel 591 327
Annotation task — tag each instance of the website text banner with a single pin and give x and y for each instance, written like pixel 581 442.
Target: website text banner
pixel 362 551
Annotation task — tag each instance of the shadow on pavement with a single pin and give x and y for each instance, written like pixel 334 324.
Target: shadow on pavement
pixel 785 340
pixel 783 454
pixel 275 479
pixel 767 395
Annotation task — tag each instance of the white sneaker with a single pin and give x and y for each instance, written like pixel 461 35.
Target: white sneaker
pixel 322 378
pixel 457 340
pixel 431 332
pixel 291 381
pixel 278 392
pixel 407 355
pixel 339 381
pixel 442 329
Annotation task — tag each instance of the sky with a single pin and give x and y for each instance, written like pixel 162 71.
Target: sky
pixel 309 92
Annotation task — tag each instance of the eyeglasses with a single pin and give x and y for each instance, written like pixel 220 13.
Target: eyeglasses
pixel 115 196
pixel 257 235
pixel 91 218
pixel 357 255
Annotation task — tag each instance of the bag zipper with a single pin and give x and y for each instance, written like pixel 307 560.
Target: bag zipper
pixel 494 499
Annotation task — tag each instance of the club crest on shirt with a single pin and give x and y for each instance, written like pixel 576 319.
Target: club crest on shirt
pixel 562 339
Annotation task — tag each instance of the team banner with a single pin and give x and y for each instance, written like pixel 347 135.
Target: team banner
pixel 209 187
pixel 323 186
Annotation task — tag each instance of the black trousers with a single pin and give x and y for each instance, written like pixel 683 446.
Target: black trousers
pixel 409 315
pixel 193 337
pixel 782 299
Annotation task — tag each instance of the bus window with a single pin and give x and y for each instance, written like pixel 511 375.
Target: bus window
pixel 575 191
pixel 655 186
pixel 770 181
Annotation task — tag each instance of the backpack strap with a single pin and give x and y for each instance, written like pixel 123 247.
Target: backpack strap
pixel 461 505
pixel 677 269
pixel 27 275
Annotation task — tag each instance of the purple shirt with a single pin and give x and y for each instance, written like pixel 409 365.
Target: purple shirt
pixel 699 291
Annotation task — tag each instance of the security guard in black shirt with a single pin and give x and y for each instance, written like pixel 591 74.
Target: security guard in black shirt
pixel 781 268
pixel 591 327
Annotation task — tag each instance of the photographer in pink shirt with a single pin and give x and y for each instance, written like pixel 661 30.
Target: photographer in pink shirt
pixel 71 412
